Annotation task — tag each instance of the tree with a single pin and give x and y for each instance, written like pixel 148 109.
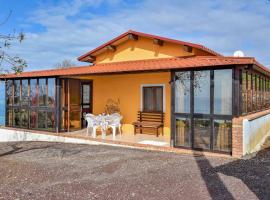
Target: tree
pixel 17 64
pixel 65 64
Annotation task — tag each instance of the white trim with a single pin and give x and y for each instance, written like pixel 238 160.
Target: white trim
pixel 164 94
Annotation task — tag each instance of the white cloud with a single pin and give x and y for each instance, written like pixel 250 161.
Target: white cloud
pixel 74 27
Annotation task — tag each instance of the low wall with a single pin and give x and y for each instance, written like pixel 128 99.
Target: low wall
pixel 7 135
pixel 256 129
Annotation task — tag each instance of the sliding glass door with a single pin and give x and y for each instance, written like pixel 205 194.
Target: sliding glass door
pixel 203 109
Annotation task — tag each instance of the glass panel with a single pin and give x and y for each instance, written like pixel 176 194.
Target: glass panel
pixel 202 92
pixel 9 92
pixel 75 104
pixel 33 119
pixel 75 119
pixel 33 92
pixel 202 129
pixel 42 119
pixel 64 120
pixel 24 118
pixel 24 101
pixel 254 105
pixel 267 93
pixel 183 132
pixel 16 117
pixel 86 94
pixel 223 92
pixel 182 92
pixel 42 92
pixel 258 93
pixel 159 100
pixel 222 135
pixel 50 120
pixel 153 98
pixel 249 93
pixel 75 92
pixel 244 92
pixel 264 92
pixel 64 92
pixel 148 99
pixel 51 92
pixel 9 117
pixel 16 92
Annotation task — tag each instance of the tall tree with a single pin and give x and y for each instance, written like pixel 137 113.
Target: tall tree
pixel 16 63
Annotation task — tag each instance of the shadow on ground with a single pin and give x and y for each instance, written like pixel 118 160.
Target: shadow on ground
pixel 254 173
pixel 16 148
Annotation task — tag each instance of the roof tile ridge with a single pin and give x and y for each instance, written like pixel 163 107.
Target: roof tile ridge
pixel 137 61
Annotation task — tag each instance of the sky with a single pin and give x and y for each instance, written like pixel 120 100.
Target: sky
pixel 56 30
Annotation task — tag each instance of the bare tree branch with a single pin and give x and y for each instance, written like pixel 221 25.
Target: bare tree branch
pixel 6 19
pixel 17 64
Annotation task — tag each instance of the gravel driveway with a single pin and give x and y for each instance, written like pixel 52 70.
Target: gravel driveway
pixel 39 170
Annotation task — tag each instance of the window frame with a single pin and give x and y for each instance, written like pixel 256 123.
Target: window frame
pixel 29 107
pixel 192 115
pixel 163 96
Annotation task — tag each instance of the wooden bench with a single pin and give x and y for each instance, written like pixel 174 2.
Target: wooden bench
pixel 149 120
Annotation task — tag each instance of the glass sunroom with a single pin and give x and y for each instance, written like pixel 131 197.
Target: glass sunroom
pixel 31 103
pixel 203 109
pixel 204 103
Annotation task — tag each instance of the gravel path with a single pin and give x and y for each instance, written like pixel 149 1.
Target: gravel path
pixel 70 171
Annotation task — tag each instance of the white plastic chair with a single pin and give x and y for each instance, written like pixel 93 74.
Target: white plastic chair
pixel 115 122
pixel 92 123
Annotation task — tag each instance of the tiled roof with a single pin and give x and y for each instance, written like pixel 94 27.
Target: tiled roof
pixel 198 46
pixel 143 65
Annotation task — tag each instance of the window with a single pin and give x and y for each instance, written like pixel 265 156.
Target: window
pixel 203 109
pixel 30 103
pixel 244 92
pixel 9 117
pixel 33 92
pixel 202 131
pixel 153 98
pixel 33 119
pixel 223 92
pixel 16 117
pixel 182 92
pixel 17 92
pixel 222 135
pixel 202 92
pixel 24 118
pixel 50 120
pixel 254 92
pixel 51 92
pixel 41 119
pixel 249 92
pixel 183 132
pixel 42 92
pixel 24 100
pixel 9 92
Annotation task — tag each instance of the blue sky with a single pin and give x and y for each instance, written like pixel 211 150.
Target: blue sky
pixel 57 30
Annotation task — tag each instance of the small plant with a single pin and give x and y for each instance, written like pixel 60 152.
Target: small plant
pixel 112 106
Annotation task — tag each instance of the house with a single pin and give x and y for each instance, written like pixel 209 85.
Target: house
pixel 209 101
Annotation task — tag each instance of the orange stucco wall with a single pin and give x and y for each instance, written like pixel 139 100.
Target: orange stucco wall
pixel 143 48
pixel 127 89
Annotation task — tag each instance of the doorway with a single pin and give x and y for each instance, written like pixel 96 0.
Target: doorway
pixel 86 100
pixel 76 101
